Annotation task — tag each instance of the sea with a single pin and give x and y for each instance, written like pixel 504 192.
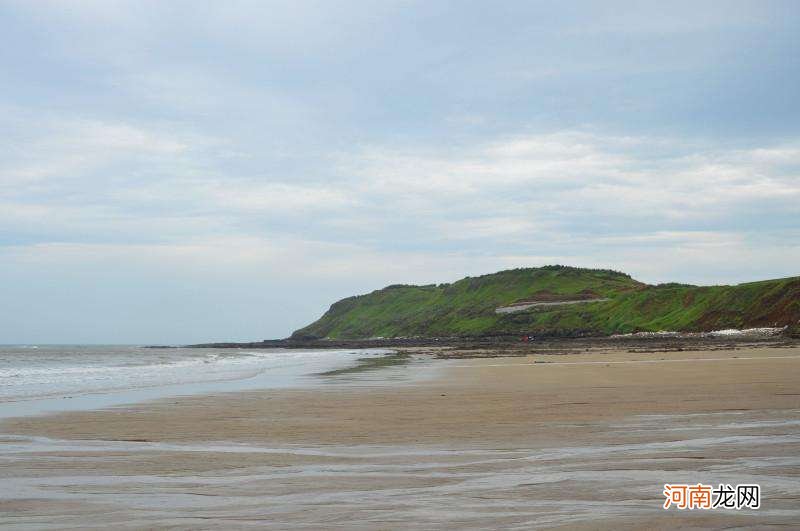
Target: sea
pixel 37 379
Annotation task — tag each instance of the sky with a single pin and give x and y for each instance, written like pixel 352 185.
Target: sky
pixel 188 171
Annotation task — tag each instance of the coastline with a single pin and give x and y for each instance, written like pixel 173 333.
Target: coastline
pixel 533 439
pixel 89 377
pixel 688 340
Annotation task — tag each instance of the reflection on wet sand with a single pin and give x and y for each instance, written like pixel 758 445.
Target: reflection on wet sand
pixel 407 486
pixel 577 463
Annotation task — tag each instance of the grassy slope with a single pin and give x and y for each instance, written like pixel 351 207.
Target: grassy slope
pixel 466 307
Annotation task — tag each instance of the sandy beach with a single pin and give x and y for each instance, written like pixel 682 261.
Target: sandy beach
pixel 585 440
pixel 310 265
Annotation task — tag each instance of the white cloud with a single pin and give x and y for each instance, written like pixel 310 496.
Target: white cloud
pixel 548 189
pixel 544 179
pixel 51 150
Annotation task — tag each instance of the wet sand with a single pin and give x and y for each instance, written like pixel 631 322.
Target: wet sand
pixel 578 441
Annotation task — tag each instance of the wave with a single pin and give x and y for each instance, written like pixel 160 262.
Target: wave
pixel 79 371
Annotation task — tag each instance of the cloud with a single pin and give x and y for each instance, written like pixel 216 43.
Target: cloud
pixel 578 181
pixel 337 148
pixel 521 191
pixel 49 150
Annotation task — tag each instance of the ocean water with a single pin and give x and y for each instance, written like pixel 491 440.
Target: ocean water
pixel 45 378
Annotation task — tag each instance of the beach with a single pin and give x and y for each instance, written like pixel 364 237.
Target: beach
pixel 582 440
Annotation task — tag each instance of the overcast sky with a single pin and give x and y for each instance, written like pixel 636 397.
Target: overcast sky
pixel 192 171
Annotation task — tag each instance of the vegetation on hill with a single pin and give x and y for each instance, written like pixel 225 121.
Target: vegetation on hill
pixel 611 302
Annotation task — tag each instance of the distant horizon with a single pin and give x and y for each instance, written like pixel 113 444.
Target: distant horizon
pixel 322 310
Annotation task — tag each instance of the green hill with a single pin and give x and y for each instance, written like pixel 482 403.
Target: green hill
pixel 556 301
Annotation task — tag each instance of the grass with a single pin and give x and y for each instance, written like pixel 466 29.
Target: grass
pixel 467 307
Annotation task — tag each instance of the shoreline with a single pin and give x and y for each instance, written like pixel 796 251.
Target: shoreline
pixel 534 440
pixel 207 374
pixel 514 345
